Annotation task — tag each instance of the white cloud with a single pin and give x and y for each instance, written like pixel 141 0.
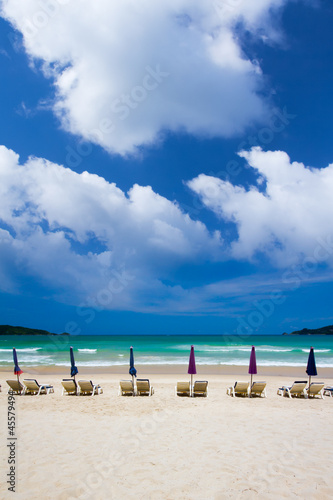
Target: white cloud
pixel 147 66
pixel 289 218
pixel 84 239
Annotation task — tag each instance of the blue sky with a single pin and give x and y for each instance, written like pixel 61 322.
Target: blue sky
pixel 166 168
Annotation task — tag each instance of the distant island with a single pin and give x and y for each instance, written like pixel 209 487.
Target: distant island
pixel 324 330
pixel 22 330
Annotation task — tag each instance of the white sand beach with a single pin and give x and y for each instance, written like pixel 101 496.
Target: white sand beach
pixel 166 447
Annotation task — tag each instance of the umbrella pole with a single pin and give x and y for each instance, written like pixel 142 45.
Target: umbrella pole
pixel 191 388
pixel 251 385
pixel 18 381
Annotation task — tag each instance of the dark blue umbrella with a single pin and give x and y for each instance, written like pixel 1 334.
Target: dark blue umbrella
pixel 311 369
pixel 74 370
pixel 132 370
pixel 17 369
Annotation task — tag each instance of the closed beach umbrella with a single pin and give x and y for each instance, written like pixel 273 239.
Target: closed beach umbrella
pixel 191 366
pixel 311 369
pixel 132 370
pixel 253 364
pixel 17 369
pixel 74 370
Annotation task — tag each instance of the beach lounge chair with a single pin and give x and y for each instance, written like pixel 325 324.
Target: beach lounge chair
pixel 33 387
pixel 297 390
pixel 183 389
pixel 15 386
pixel 126 388
pixel 69 387
pixel 200 388
pixel 328 391
pixel 258 389
pixel 143 387
pixel 239 389
pixel 87 388
pixel 316 389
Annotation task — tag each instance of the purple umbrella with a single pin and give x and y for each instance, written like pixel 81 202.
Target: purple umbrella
pixel 311 369
pixel 252 365
pixel 191 366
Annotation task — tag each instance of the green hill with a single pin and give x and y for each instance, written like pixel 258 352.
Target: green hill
pixel 22 330
pixel 324 330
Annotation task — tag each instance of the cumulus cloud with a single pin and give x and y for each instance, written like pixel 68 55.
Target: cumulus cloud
pixel 85 240
pixel 125 72
pixel 288 215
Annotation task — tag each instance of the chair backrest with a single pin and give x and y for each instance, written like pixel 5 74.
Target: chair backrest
pixel 69 384
pixel 86 385
pixel 200 386
pixel 242 387
pixel 31 384
pixel 183 386
pixel 15 385
pixel 126 385
pixel 316 387
pixel 143 384
pixel 258 386
pixel 297 387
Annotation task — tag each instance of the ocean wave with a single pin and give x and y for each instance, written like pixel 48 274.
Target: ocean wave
pixel 27 349
pixel 88 363
pixel 232 362
pixel 88 350
pixel 316 350
pixel 238 348
pixel 274 349
pixel 34 359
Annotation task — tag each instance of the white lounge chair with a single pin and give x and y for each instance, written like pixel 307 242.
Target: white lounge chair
pixel 316 389
pixel 87 388
pixel 15 386
pixel 143 387
pixel 239 389
pixel 69 387
pixel 297 390
pixel 258 389
pixel 328 391
pixel 126 388
pixel 183 389
pixel 200 388
pixel 33 387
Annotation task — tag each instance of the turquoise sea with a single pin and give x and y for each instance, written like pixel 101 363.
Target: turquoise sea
pixel 104 350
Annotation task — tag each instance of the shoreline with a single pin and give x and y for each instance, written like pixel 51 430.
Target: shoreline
pixel 180 370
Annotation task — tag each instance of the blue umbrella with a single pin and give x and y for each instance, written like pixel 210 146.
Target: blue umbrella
pixel 132 370
pixel 74 370
pixel 311 369
pixel 17 369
